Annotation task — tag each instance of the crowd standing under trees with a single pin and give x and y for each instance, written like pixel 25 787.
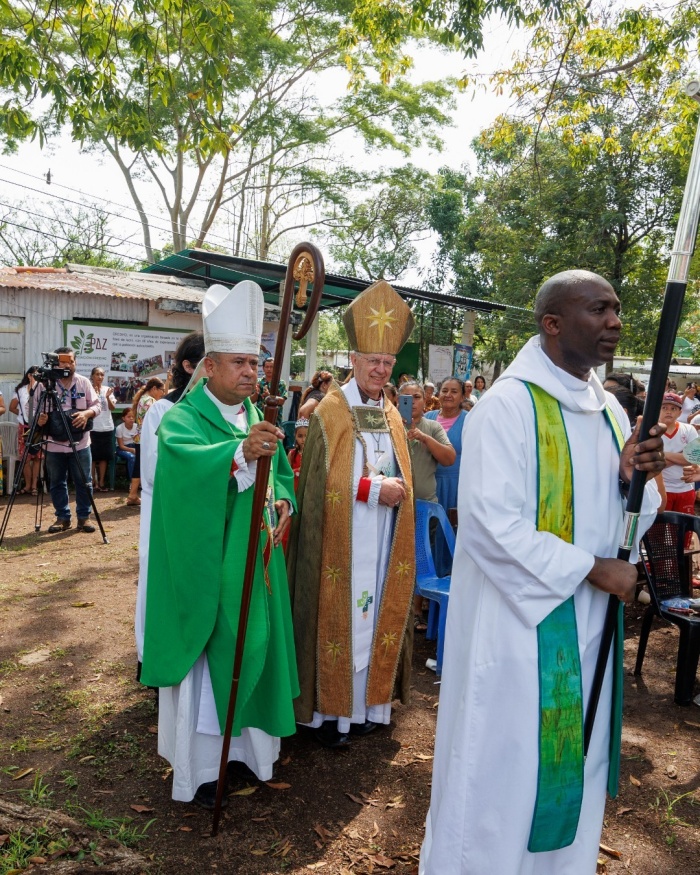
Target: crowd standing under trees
pixel 588 169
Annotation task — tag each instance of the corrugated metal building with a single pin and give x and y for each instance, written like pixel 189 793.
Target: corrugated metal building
pixel 34 302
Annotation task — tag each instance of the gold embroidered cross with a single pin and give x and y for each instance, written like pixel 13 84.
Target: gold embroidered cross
pixel 332 574
pixel 333 496
pixel 333 649
pixel 388 640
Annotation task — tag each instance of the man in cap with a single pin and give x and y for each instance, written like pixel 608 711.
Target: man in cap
pixel 351 558
pixel 208 447
pixel 540 516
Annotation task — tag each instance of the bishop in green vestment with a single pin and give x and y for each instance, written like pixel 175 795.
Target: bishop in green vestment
pixel 208 445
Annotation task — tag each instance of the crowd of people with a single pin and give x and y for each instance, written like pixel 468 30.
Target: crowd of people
pixel 333 612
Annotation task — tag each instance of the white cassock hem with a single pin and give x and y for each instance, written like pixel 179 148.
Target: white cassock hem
pixel 360 711
pixel 195 756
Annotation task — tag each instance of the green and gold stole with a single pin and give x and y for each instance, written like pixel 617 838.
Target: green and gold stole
pixel 560 773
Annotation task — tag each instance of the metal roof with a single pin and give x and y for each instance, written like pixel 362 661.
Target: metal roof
pixel 338 290
pixel 166 290
pixel 86 280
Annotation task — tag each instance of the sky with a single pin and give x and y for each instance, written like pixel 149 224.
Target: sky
pixel 90 178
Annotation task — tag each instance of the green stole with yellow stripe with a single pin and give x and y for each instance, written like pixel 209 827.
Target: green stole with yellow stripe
pixel 560 774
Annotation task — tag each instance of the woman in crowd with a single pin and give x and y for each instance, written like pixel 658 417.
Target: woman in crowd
pixel 102 437
pixel 144 398
pixel 451 417
pixel 429 447
pixel 689 401
pixel 22 405
pixel 479 386
pixel 315 392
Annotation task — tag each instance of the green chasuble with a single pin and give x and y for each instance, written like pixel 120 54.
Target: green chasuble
pixel 198 542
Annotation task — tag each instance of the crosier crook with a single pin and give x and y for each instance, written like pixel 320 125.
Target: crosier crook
pixel 302 251
pixel 676 284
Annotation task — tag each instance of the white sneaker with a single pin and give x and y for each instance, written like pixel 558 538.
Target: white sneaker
pixel 431 664
pixel 644 598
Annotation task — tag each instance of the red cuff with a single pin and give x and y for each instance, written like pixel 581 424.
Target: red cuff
pixel 363 489
pixel 234 468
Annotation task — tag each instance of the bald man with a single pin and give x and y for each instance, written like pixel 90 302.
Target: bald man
pixel 541 515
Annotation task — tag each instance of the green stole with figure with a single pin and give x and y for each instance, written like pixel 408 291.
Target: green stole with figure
pixel 560 773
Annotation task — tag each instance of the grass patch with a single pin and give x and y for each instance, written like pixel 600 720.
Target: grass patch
pixel 39 793
pixel 122 829
pixel 18 849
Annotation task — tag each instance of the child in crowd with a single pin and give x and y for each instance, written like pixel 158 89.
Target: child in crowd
pixel 301 428
pixel 126 432
pixel 680 492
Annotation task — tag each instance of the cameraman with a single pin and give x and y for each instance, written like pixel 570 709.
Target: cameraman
pixel 81 404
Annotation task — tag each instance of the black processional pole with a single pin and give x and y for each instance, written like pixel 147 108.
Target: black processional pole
pixel 676 283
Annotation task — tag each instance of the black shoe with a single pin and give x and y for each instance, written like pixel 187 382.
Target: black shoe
pixel 59 526
pixel 238 771
pixel 205 796
pixel 85 526
pixel 327 734
pixel 363 728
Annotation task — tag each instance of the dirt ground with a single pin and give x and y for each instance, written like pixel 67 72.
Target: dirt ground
pixel 77 735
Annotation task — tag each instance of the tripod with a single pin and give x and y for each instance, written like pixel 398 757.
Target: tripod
pixel 49 401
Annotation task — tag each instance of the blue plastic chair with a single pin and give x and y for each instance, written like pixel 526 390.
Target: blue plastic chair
pixel 428 584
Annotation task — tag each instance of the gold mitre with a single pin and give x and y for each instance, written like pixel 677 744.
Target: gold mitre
pixel 378 320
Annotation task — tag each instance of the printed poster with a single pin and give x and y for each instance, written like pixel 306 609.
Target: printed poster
pixel 440 360
pixel 462 365
pixel 128 354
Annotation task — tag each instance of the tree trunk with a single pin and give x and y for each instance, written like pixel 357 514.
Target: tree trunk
pixel 101 855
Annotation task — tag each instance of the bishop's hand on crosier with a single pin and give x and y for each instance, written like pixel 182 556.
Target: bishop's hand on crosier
pixel 261 441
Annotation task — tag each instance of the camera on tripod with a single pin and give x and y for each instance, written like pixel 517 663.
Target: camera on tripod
pixel 55 367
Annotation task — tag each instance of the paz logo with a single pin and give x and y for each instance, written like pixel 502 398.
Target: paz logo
pixel 83 343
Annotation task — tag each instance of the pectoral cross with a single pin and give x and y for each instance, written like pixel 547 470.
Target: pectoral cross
pixel 364 602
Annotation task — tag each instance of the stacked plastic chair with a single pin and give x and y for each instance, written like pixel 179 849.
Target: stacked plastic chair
pixel 428 584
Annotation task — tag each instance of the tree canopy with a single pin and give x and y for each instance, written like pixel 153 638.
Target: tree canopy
pixel 192 96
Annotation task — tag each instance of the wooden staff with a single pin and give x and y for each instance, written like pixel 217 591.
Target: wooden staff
pixel 305 264
pixel 671 310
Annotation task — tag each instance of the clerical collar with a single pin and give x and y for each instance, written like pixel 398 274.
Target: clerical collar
pixel 230 409
pixel 364 397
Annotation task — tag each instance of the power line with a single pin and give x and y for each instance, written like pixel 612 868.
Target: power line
pixel 508 317
pixel 96 197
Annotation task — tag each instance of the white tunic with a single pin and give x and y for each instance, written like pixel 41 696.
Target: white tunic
pixel 507 577
pixel 371 541
pixel 189 736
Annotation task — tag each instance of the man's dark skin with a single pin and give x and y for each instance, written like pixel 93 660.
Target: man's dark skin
pixel 578 314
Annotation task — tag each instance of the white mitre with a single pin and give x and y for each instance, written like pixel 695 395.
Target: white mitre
pixel 233 318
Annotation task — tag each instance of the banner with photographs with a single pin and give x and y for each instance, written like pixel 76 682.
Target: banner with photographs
pixel 128 354
pixel 462 367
